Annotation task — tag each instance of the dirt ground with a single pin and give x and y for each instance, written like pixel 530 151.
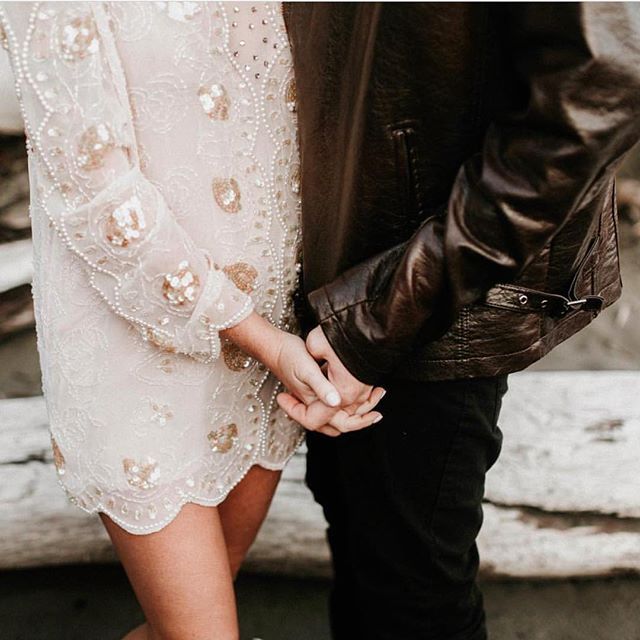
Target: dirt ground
pixel 96 603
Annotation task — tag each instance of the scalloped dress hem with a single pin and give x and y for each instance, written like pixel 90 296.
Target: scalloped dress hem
pixel 188 498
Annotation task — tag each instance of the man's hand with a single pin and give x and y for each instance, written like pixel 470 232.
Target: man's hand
pixel 353 392
pixel 357 398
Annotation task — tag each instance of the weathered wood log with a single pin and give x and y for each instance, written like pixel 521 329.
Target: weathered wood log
pixel 14 219
pixel 571 443
pixel 16 264
pixel 14 189
pixel 16 269
pixel 10 119
pixel 563 500
pixel 16 311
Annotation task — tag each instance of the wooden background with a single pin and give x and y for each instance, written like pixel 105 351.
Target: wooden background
pixel 563 499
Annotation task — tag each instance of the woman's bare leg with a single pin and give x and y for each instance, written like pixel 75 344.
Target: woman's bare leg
pixel 244 510
pixel 181 577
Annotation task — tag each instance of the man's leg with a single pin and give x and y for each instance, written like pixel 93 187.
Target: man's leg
pixel 403 503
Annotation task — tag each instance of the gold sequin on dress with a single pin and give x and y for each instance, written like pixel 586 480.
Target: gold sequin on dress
pixel 164 205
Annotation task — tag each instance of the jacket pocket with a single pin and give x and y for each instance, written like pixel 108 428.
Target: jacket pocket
pixel 407 175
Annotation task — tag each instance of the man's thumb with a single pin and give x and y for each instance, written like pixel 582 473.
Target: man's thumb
pixel 316 343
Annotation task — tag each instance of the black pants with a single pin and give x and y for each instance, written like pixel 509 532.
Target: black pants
pixel 403 503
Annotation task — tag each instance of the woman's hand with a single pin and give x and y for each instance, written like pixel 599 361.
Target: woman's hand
pixel 287 357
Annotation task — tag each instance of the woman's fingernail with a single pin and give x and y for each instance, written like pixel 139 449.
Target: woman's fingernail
pixel 378 418
pixel 383 394
pixel 332 398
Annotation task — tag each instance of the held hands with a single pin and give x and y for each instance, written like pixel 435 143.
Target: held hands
pixel 357 399
pixel 331 405
pixel 346 407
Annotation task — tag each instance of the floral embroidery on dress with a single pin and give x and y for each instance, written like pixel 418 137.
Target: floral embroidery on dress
pixel 3 38
pixel 243 275
pixel 291 95
pixel 227 194
pixel 94 145
pixel 141 474
pixel 222 440
pixel 294 179
pixel 78 38
pixel 163 160
pixel 234 357
pixel 215 101
pixel 58 458
pixel 180 11
pixel 181 286
pixel 159 340
pixel 162 413
pixel 126 223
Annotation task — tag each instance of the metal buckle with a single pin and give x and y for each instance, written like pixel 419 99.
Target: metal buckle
pixel 590 303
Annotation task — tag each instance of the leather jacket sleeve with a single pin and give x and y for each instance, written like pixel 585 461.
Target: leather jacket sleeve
pixel 543 163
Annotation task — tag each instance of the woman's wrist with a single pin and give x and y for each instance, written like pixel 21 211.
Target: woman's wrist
pixel 258 337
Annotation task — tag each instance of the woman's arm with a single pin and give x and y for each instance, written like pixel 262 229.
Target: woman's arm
pixel 83 152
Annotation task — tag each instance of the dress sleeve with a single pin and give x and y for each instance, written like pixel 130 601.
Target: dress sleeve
pixel 82 146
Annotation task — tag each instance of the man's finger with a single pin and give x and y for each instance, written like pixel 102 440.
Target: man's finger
pixel 313 417
pixel 376 395
pixel 341 420
pixel 295 409
pixel 330 431
pixel 345 423
pixel 319 414
pixel 316 343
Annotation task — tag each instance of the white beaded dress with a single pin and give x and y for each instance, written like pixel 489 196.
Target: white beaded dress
pixel 164 203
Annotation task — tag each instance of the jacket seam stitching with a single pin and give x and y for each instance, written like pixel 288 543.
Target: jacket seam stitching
pixel 345 336
pixel 537 342
pixel 336 311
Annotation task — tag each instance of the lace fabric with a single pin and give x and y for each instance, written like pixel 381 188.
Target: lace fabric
pixel 164 203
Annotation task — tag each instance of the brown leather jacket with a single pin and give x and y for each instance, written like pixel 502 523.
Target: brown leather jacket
pixel 458 162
